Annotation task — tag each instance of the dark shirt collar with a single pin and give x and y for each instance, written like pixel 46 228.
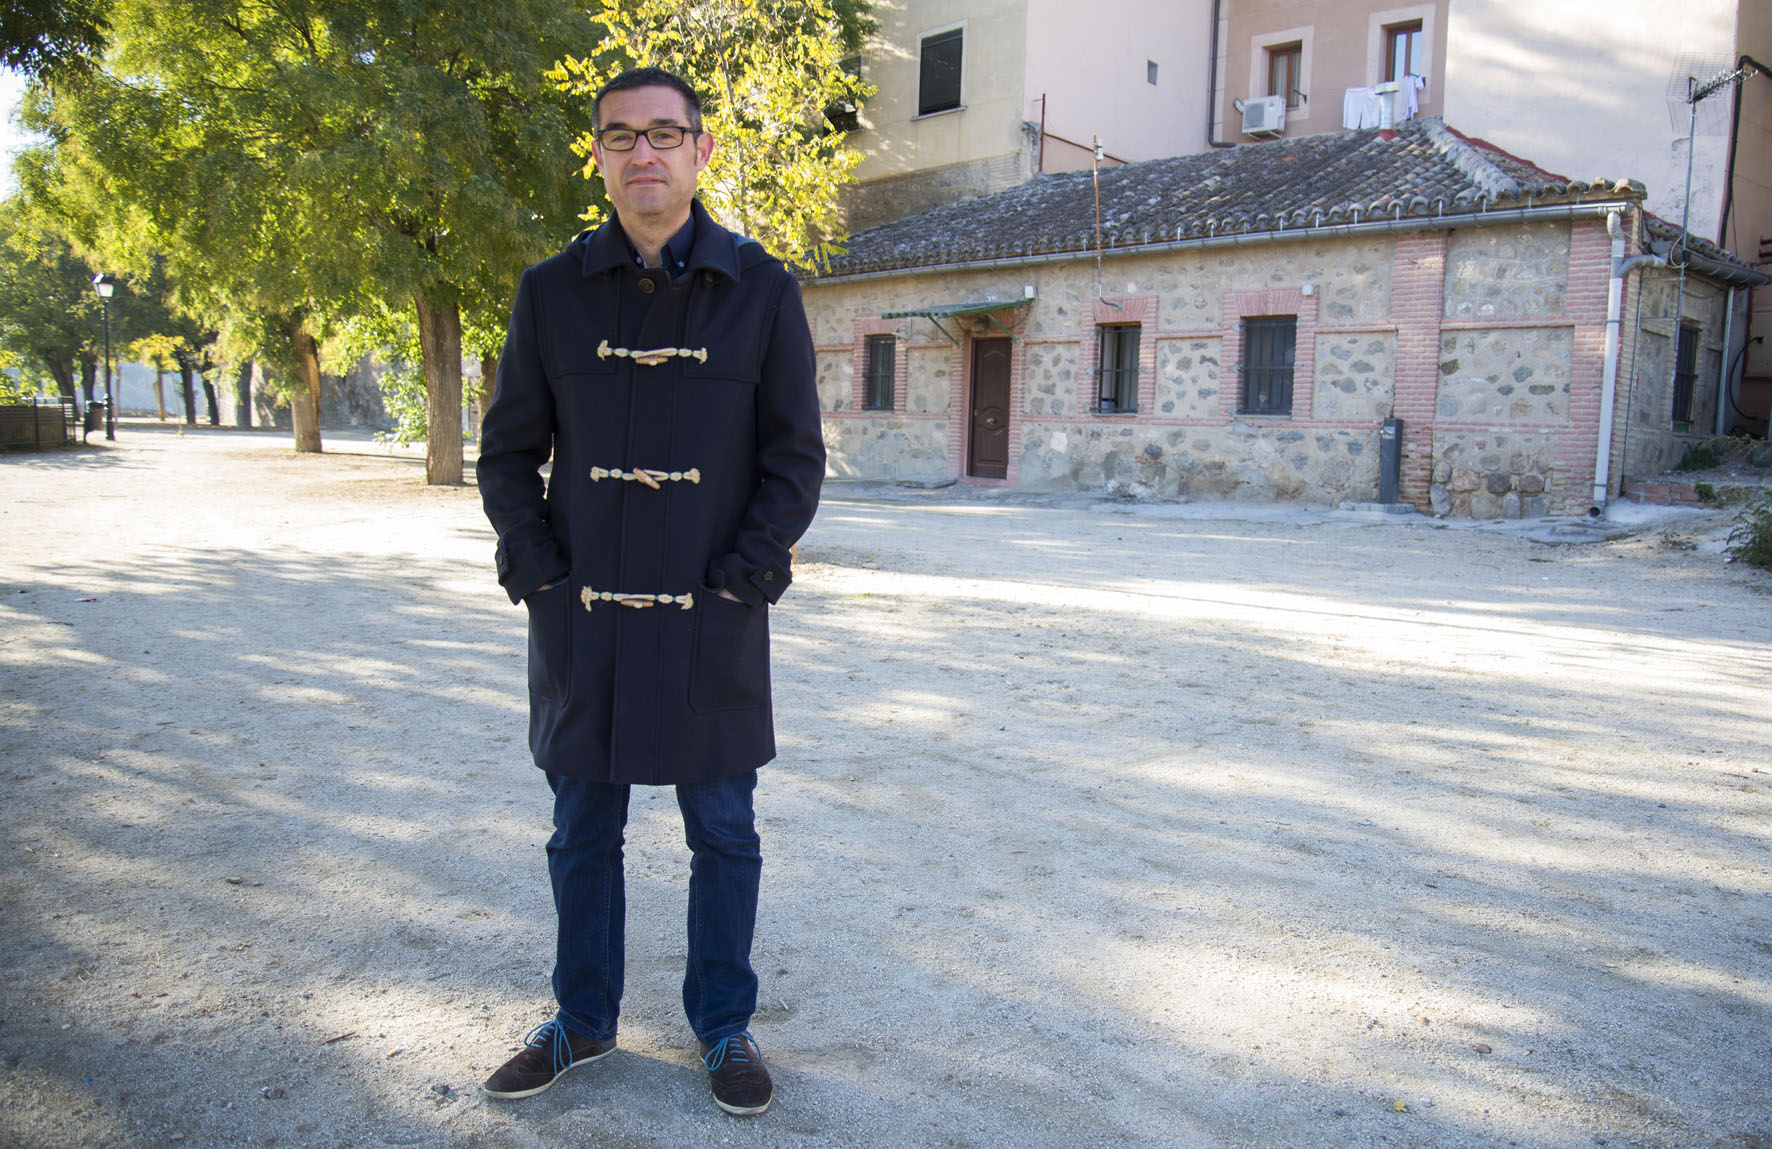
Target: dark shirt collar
pixel 674 255
pixel 712 247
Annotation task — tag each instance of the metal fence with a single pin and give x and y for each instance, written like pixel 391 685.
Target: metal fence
pixel 38 423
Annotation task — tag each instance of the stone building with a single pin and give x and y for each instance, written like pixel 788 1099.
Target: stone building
pixel 1242 324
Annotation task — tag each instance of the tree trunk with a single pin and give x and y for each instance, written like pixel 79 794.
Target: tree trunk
pixel 243 398
pixel 304 397
pixel 160 387
pixel 63 372
pixel 209 398
pixel 488 380
pixel 439 341
pixel 88 376
pixel 188 390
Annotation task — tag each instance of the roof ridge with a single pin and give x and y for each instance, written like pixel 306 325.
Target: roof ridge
pixel 1469 159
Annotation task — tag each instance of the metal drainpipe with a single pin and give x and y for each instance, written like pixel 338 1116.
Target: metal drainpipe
pixel 1212 84
pixel 1621 267
pixel 1723 376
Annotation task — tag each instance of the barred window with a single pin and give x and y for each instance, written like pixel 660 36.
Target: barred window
pixel 1269 344
pixel 1685 372
pixel 1117 390
pixel 881 367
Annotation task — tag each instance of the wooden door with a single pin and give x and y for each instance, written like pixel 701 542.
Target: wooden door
pixel 987 455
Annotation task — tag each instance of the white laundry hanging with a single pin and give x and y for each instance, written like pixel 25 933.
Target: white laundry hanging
pixel 1361 108
pixel 1409 96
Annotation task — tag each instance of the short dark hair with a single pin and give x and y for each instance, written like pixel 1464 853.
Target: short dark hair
pixel 648 78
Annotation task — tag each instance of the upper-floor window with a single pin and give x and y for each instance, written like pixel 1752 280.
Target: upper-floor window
pixel 1269 345
pixel 938 86
pixel 1283 64
pixel 1402 50
pixel 1117 386
pixel 882 366
pixel 844 115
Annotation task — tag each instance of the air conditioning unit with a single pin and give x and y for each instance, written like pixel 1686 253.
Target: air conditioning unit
pixel 1264 117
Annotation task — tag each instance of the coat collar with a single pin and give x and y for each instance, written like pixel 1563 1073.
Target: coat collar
pixel 606 248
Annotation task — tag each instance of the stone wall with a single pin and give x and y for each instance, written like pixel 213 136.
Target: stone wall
pixel 887 448
pixel 1506 375
pixel 1652 443
pixel 1487 341
pixel 1356 376
pixel 883 200
pixel 1507 272
pixel 1493 474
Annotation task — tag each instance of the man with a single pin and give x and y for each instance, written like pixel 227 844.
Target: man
pixel 665 364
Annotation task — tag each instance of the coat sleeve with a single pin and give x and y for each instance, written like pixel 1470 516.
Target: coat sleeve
pixel 516 439
pixel 790 460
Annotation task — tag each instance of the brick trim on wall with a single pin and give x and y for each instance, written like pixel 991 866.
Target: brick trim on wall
pixel 1590 269
pixel 858 383
pixel 960 392
pixel 1418 285
pixel 1132 310
pixel 1264 301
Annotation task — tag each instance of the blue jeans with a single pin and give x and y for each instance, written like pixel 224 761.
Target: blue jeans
pixel 585 865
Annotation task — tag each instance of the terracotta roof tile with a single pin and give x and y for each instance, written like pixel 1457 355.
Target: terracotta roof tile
pixel 1424 169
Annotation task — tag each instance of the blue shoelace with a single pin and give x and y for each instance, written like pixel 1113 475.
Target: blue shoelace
pixel 733 1047
pixel 555 1033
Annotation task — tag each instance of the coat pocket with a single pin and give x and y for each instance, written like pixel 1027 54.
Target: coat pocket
pixel 550 642
pixel 731 661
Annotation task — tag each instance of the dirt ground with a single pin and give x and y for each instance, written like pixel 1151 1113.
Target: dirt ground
pixel 1093 824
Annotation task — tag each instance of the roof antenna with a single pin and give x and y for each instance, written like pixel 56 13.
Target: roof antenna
pixel 1095 171
pixel 1699 77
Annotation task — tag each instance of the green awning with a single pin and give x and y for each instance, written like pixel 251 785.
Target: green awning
pixel 952 310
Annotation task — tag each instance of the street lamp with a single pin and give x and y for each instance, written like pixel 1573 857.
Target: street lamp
pixel 105 285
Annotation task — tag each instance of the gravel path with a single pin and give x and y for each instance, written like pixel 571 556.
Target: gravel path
pixel 1094 824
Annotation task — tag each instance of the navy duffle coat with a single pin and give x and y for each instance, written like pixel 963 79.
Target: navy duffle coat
pixel 675 474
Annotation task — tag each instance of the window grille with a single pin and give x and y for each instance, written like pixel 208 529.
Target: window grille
pixel 1118 378
pixel 1685 372
pixel 882 365
pixel 1269 345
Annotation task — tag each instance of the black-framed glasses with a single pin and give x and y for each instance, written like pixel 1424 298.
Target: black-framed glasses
pixel 661 139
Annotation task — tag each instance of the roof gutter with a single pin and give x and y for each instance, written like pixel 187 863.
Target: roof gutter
pixel 1679 255
pixel 1255 238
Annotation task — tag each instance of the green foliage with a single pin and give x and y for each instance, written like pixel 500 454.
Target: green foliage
pixel 767 70
pixel 1697 457
pixel 1751 539
pixel 391 339
pixel 1706 492
pixel 312 160
pixel 45 37
pixel 50 317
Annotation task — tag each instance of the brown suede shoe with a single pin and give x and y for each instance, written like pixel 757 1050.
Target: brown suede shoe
pixel 549 1050
pixel 735 1070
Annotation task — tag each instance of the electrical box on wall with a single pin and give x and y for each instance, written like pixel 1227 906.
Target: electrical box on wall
pixel 1264 117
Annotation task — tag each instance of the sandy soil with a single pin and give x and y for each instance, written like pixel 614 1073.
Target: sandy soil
pixel 1094 824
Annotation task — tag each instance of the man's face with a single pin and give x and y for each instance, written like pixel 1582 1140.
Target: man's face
pixel 647 185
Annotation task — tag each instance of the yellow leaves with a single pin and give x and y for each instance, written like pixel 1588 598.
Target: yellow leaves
pixel 766 72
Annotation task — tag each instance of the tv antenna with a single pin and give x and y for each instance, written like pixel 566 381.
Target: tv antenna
pixel 1695 79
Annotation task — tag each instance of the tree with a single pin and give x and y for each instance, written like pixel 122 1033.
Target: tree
pixel 351 153
pixel 49 314
pixel 40 37
pixel 120 173
pixel 769 72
